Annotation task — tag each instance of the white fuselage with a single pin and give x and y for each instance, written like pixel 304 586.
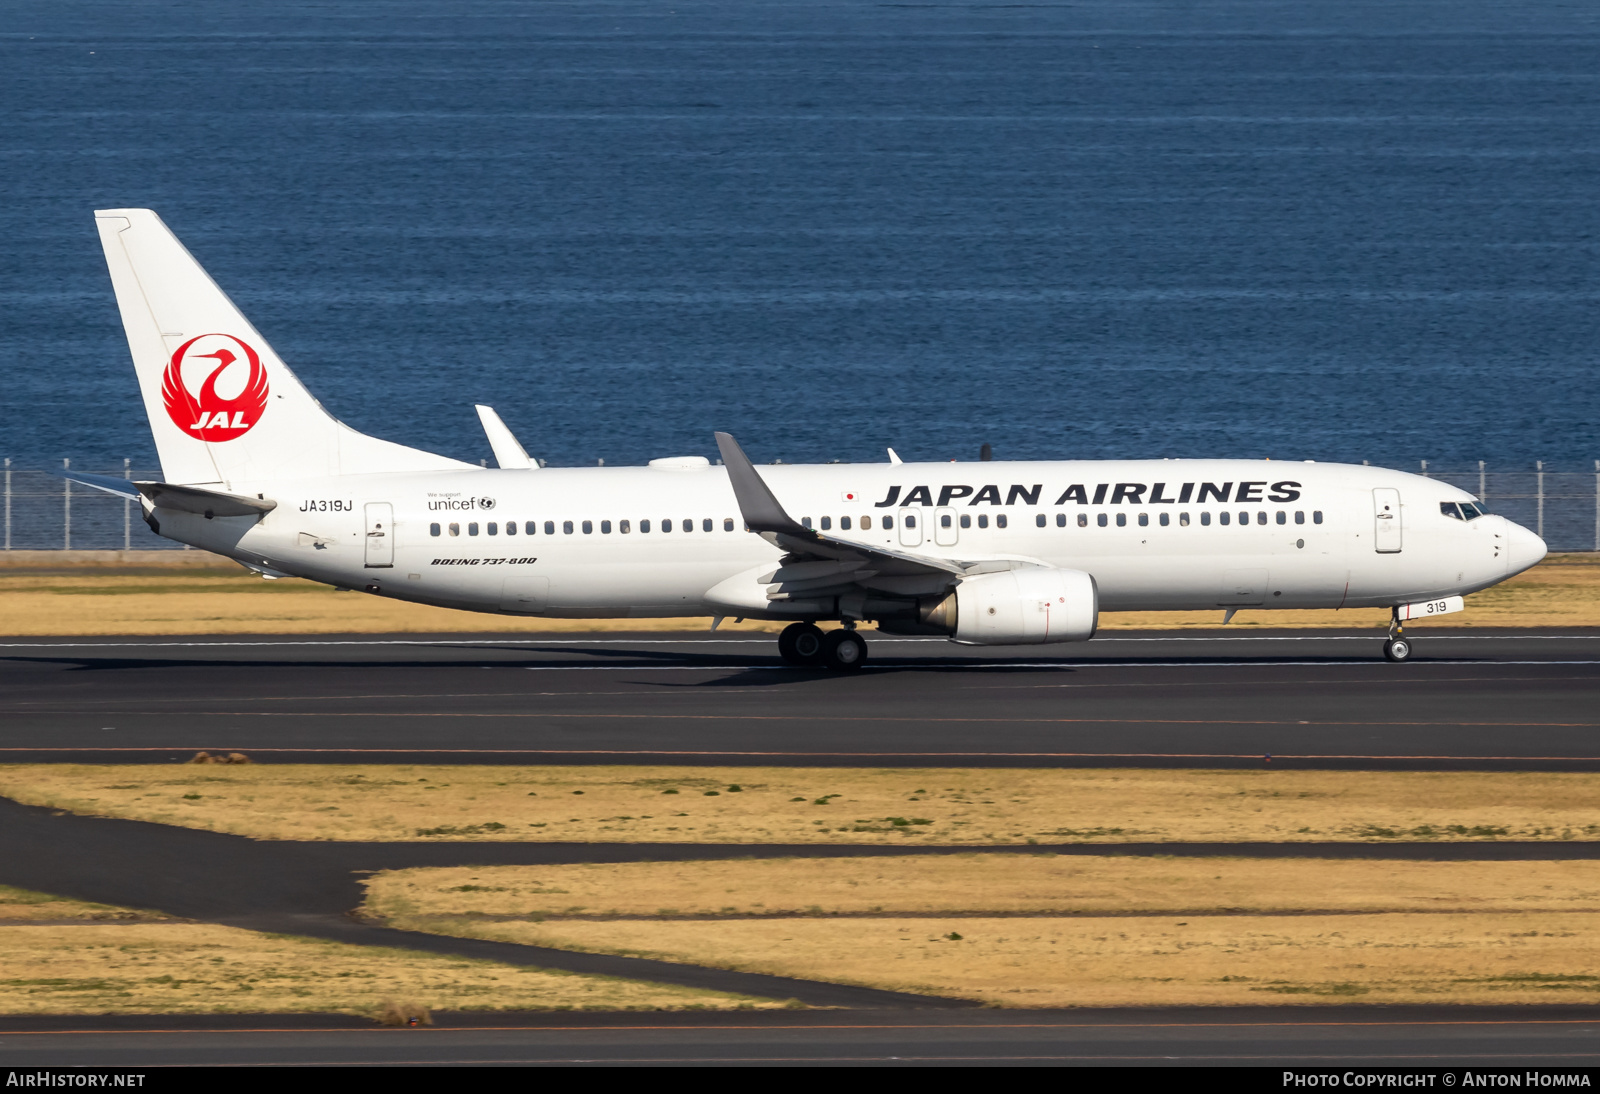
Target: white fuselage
pixel 1156 534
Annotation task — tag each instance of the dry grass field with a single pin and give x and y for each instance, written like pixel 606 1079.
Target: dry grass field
pixel 1059 931
pixel 820 805
pixel 66 957
pixel 978 884
pixel 1537 957
pixel 214 596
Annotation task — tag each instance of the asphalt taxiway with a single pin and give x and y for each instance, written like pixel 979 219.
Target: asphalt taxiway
pixel 1481 700
pixel 1439 1039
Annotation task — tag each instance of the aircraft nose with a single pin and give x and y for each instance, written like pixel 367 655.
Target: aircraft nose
pixel 1523 549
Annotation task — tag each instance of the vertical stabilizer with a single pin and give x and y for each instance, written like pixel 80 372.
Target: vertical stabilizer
pixel 222 406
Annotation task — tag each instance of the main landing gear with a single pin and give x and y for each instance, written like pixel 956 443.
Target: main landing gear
pixel 1398 647
pixel 807 644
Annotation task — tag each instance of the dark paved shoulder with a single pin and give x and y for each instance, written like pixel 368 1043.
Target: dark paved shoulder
pixel 1539 1037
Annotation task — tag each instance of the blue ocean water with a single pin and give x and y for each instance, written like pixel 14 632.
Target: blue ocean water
pixel 1329 229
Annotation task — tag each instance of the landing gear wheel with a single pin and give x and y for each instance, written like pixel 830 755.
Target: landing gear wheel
pixel 1397 650
pixel 801 644
pixel 843 651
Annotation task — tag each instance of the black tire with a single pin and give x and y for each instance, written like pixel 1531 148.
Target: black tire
pixel 843 651
pixel 801 644
pixel 1398 650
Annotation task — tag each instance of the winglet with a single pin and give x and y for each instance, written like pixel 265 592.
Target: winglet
pixel 894 457
pixel 761 510
pixel 507 452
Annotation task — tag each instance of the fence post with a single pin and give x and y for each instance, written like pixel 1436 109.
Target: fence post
pixel 1425 469
pixel 1597 505
pixel 66 508
pixel 127 510
pixel 1540 465
pixel 1483 484
pixel 8 498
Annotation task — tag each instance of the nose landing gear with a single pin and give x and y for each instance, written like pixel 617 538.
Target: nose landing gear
pixel 1398 648
pixel 806 644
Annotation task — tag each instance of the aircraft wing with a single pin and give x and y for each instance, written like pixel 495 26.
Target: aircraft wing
pixel 816 563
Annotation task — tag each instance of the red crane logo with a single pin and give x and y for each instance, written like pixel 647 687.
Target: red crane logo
pixel 207 415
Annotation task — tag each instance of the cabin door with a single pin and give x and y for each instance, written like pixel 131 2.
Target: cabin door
pixel 1386 520
pixel 380 534
pixel 945 532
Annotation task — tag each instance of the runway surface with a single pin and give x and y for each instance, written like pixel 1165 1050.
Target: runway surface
pixel 1515 700
pixel 1558 1039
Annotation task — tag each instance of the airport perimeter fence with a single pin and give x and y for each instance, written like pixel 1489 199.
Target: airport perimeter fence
pixel 44 511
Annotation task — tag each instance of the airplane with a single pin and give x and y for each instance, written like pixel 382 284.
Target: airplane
pixel 985 553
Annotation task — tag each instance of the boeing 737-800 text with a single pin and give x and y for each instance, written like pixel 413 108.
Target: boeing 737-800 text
pixel 989 553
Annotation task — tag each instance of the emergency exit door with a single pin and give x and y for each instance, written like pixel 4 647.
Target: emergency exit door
pixel 380 534
pixel 1386 520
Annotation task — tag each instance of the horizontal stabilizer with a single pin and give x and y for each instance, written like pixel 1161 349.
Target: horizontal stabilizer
pixel 111 485
pixel 195 499
pixel 186 499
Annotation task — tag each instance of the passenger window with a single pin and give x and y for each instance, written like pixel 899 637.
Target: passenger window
pixel 433 529
pixel 727 524
pixel 588 527
pixel 1183 519
pixel 966 520
pixel 844 524
pixel 1300 516
pixel 688 525
pixel 1100 519
pixel 666 526
pixel 550 528
pixel 1122 520
pixel 983 520
pixel 1244 518
pixel 911 520
pixel 494 528
pixel 455 529
pixel 1223 518
pixel 888 524
pixel 624 526
pixel 999 520
pixel 805 521
pixel 944 520
pixel 644 527
pixel 827 524
pixel 566 527
pixel 1144 520
pixel 706 524
pixel 1283 518
pixel 1061 520
pixel 1205 519
pixel 531 526
pixel 1083 520
pixel 1166 519
pixel 1261 518
pixel 472 528
pixel 605 528
pixel 1039 520
pixel 866 524
pixel 1316 516
pixel 511 527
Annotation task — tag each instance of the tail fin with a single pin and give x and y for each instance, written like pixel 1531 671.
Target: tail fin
pixel 222 405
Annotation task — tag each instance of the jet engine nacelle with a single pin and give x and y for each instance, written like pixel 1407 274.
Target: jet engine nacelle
pixel 1026 607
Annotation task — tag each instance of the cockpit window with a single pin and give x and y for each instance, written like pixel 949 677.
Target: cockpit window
pixel 1472 510
pixel 1449 509
pixel 1466 510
